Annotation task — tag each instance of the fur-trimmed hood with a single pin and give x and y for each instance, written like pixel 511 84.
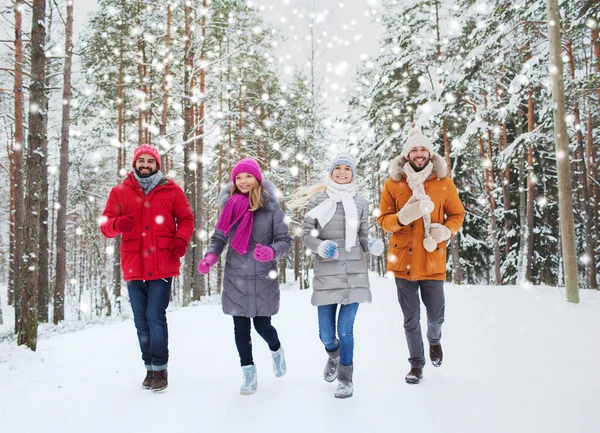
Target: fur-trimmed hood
pixel 269 195
pixel 397 173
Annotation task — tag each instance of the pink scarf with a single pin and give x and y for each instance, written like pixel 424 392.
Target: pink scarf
pixel 237 209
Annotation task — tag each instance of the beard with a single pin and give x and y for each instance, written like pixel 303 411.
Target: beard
pixel 144 175
pixel 416 167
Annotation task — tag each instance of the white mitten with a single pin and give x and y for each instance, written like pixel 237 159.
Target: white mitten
pixel 414 209
pixel 375 246
pixel 430 244
pixel 440 232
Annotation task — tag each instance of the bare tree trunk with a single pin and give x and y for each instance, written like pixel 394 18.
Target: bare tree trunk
pixel 28 319
pixel 508 222
pixel 188 179
pixel 593 173
pixel 530 193
pixel 63 177
pixel 166 74
pixel 141 75
pixel 198 278
pixel 18 147
pixel 567 225
pixel 489 184
pixel 120 164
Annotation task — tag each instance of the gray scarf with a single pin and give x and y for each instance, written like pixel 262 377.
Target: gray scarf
pixel 149 183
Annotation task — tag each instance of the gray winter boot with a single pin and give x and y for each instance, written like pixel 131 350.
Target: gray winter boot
pixel 330 371
pixel 345 388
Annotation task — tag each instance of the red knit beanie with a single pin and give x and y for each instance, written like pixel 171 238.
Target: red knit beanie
pixel 149 150
pixel 247 165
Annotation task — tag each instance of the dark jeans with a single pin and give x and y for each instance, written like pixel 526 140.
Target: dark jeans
pixel 243 341
pixel 149 301
pixel 432 293
pixel 345 329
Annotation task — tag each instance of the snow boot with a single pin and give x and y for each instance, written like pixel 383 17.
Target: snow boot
pixel 331 366
pixel 435 354
pixel 414 376
pixel 159 381
pixel 250 381
pixel 147 383
pixel 345 387
pixel 279 366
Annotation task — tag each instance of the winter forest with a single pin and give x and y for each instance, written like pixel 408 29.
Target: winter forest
pixel 211 81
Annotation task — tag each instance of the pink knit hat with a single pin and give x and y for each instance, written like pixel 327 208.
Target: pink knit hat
pixel 146 148
pixel 247 165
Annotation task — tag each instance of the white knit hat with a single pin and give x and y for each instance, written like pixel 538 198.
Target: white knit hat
pixel 416 139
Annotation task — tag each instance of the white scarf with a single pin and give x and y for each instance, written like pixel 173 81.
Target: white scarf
pixel 325 211
pixel 415 180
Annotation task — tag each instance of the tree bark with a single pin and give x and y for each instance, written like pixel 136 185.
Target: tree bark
pixel 141 75
pixel 567 224
pixel 28 319
pixel 63 177
pixel 18 146
pixel 528 254
pixel 198 279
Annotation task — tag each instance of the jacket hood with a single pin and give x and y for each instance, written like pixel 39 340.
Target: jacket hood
pixel 397 173
pixel 269 195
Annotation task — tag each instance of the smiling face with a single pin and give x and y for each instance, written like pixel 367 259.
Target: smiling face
pixel 418 158
pixel 245 182
pixel 145 165
pixel 342 174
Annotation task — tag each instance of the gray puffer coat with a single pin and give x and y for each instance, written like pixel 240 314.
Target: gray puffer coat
pixel 344 280
pixel 251 288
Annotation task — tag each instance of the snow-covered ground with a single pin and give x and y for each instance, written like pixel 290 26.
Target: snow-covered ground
pixel 515 360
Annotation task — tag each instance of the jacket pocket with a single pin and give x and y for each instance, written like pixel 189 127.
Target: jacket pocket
pixel 167 264
pixel 131 261
pixel 399 253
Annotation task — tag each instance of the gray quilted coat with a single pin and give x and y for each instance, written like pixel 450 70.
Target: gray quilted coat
pixel 345 280
pixel 251 288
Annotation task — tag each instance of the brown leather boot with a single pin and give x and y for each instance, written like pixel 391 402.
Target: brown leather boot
pixel 147 383
pixel 414 376
pixel 159 382
pixel 436 355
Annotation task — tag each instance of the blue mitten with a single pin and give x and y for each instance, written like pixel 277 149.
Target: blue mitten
pixel 375 246
pixel 328 250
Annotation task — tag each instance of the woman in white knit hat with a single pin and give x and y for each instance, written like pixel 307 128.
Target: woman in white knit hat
pixel 336 228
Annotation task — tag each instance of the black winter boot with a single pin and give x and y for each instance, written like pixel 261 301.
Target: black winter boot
pixel 345 387
pixel 330 371
pixel 414 376
pixel 435 354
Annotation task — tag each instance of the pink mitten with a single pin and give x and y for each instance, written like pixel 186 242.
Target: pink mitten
pixel 263 254
pixel 205 264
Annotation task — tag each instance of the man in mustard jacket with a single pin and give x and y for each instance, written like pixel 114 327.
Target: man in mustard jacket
pixel 420 206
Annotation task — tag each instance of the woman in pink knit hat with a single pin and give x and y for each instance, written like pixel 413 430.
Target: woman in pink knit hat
pixel 252 224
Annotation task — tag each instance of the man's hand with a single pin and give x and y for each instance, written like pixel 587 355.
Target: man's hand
pixel 124 224
pixel 178 248
pixel 440 232
pixel 414 209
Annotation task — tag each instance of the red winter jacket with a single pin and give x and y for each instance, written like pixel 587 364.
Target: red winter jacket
pixel 160 217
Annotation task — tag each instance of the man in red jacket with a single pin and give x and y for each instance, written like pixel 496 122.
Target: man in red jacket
pixel 156 223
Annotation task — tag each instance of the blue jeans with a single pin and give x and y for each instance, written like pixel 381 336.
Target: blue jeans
pixel 243 341
pixel 345 329
pixel 149 301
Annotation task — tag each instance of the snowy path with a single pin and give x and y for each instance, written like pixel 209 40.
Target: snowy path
pixel 515 361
